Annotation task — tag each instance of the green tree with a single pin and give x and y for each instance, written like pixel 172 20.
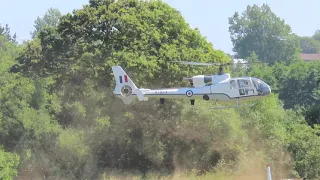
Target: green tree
pixel 68 83
pixel 8 165
pixel 26 110
pixel 259 30
pixel 8 51
pixel 5 31
pixel 309 45
pixel 312 115
pixel 301 86
pixel 316 35
pixel 303 143
pixel 51 18
pixel 141 36
pixel 144 36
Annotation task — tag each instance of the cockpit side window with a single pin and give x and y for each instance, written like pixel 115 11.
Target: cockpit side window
pixel 243 83
pixel 257 83
pixel 233 84
pixel 248 82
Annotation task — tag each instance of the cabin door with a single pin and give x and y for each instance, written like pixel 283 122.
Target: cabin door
pixel 245 87
pixel 234 89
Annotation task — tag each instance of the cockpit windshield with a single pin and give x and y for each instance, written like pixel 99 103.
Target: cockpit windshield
pixel 261 86
pixel 258 84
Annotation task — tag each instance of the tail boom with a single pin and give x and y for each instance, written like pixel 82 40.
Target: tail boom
pixel 145 94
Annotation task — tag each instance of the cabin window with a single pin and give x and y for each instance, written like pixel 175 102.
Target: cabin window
pixel 248 82
pixel 243 83
pixel 233 84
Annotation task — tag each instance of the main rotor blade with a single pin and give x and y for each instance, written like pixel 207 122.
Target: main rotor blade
pixel 198 63
pixel 247 62
pixel 212 64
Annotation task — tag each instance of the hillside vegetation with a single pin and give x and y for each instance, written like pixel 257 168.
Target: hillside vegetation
pixel 60 120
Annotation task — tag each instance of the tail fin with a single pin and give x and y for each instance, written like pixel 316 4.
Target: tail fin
pixel 125 89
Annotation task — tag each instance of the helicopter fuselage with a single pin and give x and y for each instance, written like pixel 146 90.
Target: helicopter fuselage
pixel 230 90
pixel 221 89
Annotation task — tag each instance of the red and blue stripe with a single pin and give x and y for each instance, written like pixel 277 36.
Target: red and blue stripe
pixel 125 79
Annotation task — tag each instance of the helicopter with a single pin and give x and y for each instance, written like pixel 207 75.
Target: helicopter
pixel 218 88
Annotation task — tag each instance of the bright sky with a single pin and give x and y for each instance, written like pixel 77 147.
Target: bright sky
pixel 210 16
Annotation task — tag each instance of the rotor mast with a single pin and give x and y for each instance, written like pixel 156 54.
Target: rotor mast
pixel 220 71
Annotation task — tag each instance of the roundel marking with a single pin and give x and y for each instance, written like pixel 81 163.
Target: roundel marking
pixel 189 93
pixel 126 90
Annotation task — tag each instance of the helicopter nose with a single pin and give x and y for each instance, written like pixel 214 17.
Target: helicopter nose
pixel 266 90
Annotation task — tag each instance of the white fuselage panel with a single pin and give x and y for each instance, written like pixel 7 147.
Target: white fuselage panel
pixel 226 90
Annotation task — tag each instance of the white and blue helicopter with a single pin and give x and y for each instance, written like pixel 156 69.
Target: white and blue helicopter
pixel 219 88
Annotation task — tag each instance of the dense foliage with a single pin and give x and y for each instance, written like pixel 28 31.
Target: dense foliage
pixel 50 19
pixel 309 45
pixel 59 118
pixel 261 31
